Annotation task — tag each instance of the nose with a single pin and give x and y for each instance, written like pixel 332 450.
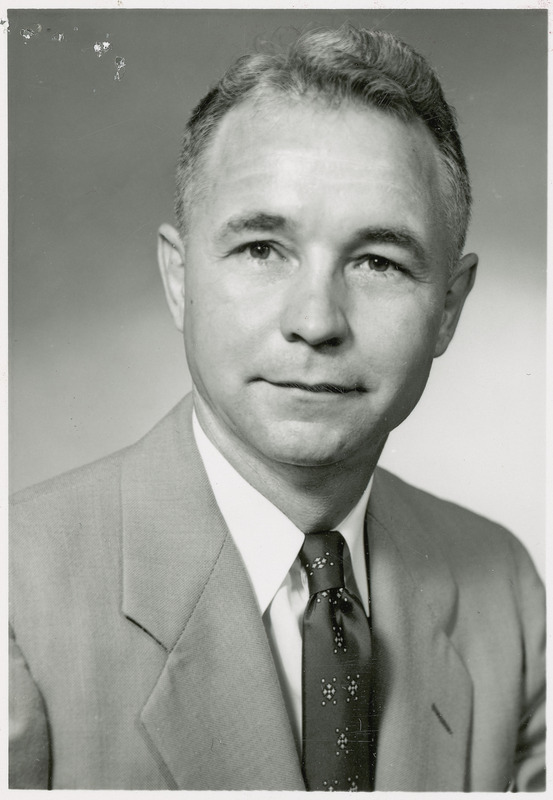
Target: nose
pixel 314 309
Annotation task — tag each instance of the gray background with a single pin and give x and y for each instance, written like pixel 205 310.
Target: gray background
pixel 94 357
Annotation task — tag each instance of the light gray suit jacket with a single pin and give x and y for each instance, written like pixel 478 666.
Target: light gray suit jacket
pixel 140 660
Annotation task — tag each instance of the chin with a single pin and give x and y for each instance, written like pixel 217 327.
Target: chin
pixel 312 445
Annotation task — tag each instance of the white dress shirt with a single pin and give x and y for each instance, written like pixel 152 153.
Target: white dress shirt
pixel 269 544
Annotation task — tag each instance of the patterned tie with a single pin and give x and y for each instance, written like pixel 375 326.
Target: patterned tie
pixel 336 673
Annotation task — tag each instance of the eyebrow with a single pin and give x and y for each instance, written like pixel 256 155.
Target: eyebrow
pixel 258 221
pixel 401 237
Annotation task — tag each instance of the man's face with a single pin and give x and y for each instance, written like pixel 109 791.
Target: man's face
pixel 316 278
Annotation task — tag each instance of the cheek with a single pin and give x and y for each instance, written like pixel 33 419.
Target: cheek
pixel 221 336
pixel 401 336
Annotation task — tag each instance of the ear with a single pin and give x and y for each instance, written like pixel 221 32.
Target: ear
pixel 459 285
pixel 170 256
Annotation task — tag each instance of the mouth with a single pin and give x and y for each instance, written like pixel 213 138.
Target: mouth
pixel 320 388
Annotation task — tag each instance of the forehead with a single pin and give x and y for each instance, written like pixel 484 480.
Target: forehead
pixel 322 165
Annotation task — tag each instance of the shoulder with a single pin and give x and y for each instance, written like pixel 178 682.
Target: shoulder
pixel 436 514
pixel 452 552
pixel 66 532
pixel 74 485
pixel 72 514
pixel 97 482
pixel 469 542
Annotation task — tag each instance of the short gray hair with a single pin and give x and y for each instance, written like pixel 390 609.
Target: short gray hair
pixel 368 67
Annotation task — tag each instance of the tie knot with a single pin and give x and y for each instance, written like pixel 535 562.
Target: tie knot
pixel 322 557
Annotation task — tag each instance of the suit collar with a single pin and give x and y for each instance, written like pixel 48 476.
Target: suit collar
pixel 165 495
pixel 423 690
pixel 217 701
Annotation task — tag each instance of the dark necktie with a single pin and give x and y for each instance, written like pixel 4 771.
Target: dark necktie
pixel 336 673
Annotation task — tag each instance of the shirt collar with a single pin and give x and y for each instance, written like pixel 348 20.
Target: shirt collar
pixel 266 539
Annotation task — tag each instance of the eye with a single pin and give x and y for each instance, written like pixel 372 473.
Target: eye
pixel 261 251
pixel 380 264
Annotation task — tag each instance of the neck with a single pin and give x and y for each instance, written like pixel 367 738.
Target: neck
pixel 312 497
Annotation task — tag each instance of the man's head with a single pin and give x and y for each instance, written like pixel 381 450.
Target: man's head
pixel 313 278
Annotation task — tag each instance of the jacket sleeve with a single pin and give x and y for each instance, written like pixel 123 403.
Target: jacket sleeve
pixel 529 767
pixel 29 748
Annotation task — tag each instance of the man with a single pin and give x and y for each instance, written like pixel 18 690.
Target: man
pixel 172 627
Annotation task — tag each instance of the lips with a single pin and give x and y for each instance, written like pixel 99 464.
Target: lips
pixel 319 388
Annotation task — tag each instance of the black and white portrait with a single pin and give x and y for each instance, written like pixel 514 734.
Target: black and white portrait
pixel 277 375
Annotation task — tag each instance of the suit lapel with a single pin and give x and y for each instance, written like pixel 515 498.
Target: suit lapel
pixel 423 690
pixel 216 716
